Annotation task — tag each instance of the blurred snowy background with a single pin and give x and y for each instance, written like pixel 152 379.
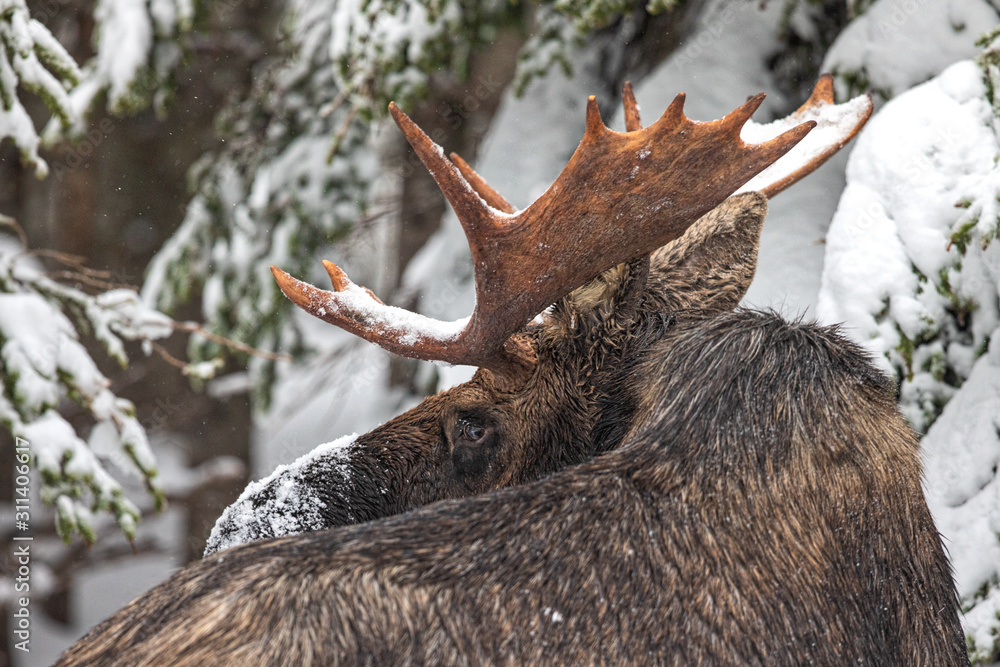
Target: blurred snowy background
pixel 189 146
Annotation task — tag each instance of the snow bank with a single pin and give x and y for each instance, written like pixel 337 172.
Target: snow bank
pixel 885 50
pixel 891 273
pixel 961 453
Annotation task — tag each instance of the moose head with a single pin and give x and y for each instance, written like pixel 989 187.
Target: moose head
pixel 636 232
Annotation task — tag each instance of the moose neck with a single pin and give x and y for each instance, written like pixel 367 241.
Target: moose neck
pixel 601 332
pixel 754 410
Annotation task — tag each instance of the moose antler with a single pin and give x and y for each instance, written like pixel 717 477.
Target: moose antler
pixel 836 124
pixel 622 195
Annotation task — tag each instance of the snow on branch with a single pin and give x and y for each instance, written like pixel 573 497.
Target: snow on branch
pixel 137 50
pixel 43 364
pixel 32 59
pixel 384 49
pixel 273 195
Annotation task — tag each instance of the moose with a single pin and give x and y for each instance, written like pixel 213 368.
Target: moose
pixel 482 436
pixel 757 495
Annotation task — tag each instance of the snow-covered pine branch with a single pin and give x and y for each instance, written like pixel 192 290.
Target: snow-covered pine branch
pixel 32 59
pixel 386 50
pixel 43 363
pixel 137 50
pixel 272 195
pixel 137 44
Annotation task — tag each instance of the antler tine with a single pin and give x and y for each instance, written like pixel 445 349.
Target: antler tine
pixel 470 208
pixel 820 102
pixel 674 115
pixel 595 126
pixel 837 124
pixel 356 310
pixel 621 196
pixel 736 119
pixel 489 195
pixel 822 93
pixel 632 120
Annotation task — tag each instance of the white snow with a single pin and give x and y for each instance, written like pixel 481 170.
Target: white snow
pixel 961 453
pixel 31 330
pixel 134 38
pixel 409 328
pixel 919 157
pixel 834 125
pixel 31 59
pixel 889 43
pixel 46 364
pixel 131 318
pixel 294 508
pixel 123 46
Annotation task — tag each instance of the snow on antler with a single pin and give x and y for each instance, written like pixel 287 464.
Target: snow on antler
pixel 836 124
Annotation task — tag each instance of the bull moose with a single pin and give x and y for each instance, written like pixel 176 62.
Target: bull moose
pixel 481 436
pixel 757 499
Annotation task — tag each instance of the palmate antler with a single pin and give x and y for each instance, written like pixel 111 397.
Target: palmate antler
pixel 622 195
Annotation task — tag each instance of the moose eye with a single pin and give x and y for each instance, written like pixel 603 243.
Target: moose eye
pixel 474 447
pixel 470 431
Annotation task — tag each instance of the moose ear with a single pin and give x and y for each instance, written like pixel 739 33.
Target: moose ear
pixel 711 266
pixel 608 300
pixel 708 269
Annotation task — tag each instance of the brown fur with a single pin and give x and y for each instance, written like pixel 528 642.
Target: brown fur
pixel 760 504
pixel 562 415
pixel 764 509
